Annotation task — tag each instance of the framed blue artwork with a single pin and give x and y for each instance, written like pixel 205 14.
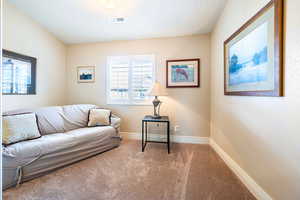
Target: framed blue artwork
pixel 183 73
pixel 253 55
pixel 86 74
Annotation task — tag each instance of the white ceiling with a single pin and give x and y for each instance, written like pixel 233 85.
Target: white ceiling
pixel 79 21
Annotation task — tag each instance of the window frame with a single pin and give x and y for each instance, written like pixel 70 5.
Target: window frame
pixel 29 59
pixel 130 102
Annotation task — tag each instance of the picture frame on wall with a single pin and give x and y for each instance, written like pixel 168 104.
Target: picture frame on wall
pixel 184 73
pixel 86 74
pixel 253 55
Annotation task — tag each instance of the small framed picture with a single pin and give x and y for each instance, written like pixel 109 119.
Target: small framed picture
pixel 86 74
pixel 183 73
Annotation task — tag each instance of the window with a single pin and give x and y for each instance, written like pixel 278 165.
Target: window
pixel 129 79
pixel 18 73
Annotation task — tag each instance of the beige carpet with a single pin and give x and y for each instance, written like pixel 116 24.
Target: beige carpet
pixel 190 172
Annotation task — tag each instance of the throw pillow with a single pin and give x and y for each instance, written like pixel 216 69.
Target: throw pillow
pixel 18 128
pixel 99 117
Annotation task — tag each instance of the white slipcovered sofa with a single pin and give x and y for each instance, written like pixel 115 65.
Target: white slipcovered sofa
pixel 65 139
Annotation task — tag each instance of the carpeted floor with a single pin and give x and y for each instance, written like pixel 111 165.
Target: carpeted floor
pixel 190 172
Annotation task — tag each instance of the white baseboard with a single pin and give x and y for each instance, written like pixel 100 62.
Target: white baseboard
pixel 173 138
pixel 252 186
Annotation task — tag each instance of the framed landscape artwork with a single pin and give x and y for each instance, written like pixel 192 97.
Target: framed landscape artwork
pixel 253 55
pixel 183 73
pixel 86 74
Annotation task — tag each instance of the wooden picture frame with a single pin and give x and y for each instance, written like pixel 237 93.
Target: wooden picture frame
pixel 86 74
pixel 15 63
pixel 238 74
pixel 184 73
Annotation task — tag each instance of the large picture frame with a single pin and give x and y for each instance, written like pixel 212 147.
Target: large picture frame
pixel 184 73
pixel 253 55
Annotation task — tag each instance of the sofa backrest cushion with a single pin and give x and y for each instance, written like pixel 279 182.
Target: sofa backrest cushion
pixel 59 119
pixel 76 116
pixel 50 120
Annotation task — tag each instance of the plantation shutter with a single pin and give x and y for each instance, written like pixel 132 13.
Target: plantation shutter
pixel 119 79
pixel 130 78
pixel 142 77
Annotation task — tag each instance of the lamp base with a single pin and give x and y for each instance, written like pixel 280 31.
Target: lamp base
pixel 155 116
pixel 156 105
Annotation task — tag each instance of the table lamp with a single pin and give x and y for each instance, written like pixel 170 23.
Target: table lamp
pixel 156 91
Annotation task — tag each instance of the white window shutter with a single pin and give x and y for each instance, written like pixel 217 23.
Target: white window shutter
pixel 142 77
pixel 118 79
pixel 129 79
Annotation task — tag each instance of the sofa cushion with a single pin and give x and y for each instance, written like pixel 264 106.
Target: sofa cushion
pixel 76 116
pixel 59 119
pixel 24 152
pixel 18 128
pixel 50 120
pixel 87 134
pixel 99 117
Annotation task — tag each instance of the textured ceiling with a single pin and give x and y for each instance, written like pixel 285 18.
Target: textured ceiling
pixel 79 21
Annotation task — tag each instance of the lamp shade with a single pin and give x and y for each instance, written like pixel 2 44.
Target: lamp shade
pixel 158 90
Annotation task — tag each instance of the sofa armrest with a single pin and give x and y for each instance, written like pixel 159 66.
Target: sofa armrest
pixel 115 121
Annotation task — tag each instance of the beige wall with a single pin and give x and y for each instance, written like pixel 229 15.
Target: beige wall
pixel 188 108
pixel 260 133
pixel 23 35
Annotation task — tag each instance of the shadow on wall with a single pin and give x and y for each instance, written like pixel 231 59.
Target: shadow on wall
pixel 189 113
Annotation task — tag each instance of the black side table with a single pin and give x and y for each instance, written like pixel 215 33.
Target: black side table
pixel 148 118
